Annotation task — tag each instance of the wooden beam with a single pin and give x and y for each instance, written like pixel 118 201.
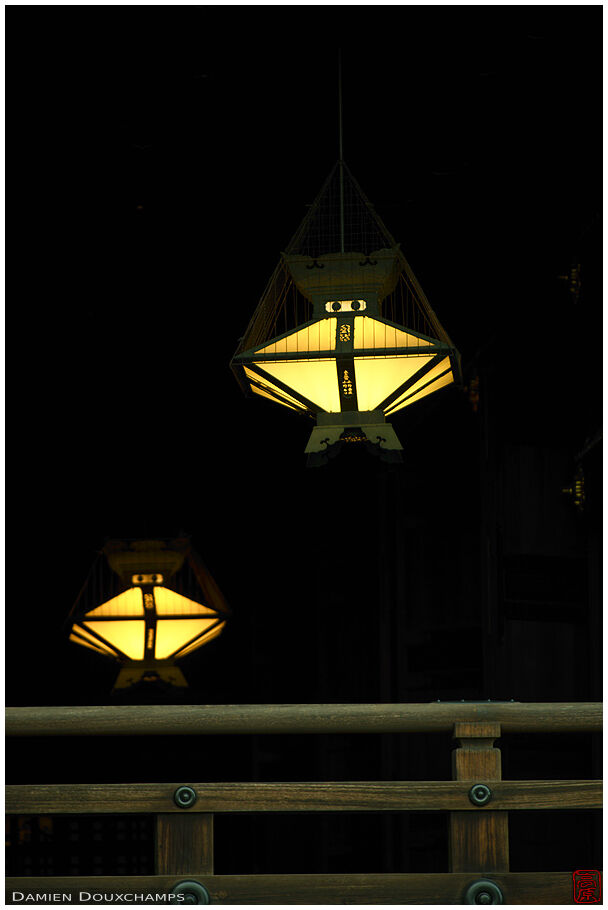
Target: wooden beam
pixel 480 840
pixel 528 888
pixel 184 842
pixel 58 799
pixel 189 720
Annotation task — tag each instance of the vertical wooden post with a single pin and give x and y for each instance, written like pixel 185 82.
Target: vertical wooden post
pixel 184 844
pixel 479 839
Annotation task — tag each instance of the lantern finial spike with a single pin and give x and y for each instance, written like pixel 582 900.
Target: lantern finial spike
pixel 340 159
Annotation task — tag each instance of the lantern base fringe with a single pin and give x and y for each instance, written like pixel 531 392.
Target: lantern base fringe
pixel 352 426
pixel 139 674
pixel 326 442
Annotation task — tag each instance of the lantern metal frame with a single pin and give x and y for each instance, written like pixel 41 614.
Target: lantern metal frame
pixel 251 359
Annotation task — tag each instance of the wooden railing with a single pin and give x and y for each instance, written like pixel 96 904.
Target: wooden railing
pixel 477 799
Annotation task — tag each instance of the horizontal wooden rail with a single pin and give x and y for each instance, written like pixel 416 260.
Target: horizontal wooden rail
pixel 529 888
pixel 182 720
pixel 301 797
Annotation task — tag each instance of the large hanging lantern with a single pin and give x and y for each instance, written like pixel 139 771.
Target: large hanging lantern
pixel 344 332
pixel 146 604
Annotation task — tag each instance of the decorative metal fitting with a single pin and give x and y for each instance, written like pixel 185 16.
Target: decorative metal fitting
pixel 184 797
pixel 483 891
pixel 194 892
pixel 480 794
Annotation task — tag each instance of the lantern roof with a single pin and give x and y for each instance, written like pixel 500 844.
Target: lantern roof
pixel 340 220
pixel 339 229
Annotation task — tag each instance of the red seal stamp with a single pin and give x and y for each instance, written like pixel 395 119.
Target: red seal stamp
pixel 587 886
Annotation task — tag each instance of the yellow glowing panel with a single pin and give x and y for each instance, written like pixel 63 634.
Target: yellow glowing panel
pixel 98 644
pixel 378 377
pixel 203 641
pixel 264 394
pixel 316 380
pixel 320 336
pixel 435 373
pixel 169 602
pixel 87 644
pixel 269 388
pixel 173 634
pixel 127 635
pixel 129 603
pixel 427 390
pixel 371 333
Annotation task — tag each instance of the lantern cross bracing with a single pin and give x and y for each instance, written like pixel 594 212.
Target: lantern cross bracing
pixel 344 328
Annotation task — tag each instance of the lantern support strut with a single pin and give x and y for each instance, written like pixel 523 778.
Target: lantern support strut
pixel 340 158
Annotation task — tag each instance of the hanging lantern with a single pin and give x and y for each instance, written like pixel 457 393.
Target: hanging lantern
pixel 146 604
pixel 344 333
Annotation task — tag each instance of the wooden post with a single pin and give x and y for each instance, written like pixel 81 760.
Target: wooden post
pixel 184 844
pixel 479 840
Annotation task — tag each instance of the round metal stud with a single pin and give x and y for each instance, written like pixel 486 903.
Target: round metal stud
pixel 336 305
pixel 480 794
pixel 356 305
pixel 184 797
pixel 483 891
pixel 194 892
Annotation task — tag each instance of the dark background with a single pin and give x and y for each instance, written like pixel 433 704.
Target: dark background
pixel 161 160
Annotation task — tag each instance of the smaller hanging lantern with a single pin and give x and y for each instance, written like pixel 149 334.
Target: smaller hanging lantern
pixel 146 604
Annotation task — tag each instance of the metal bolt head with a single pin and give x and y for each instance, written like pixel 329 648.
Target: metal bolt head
pixel 480 794
pixel 483 891
pixel 184 797
pixel 193 892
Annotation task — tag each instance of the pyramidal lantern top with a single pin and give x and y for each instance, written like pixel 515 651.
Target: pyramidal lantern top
pixel 343 332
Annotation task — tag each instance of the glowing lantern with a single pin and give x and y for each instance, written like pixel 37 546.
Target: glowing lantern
pixel 344 332
pixel 149 603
